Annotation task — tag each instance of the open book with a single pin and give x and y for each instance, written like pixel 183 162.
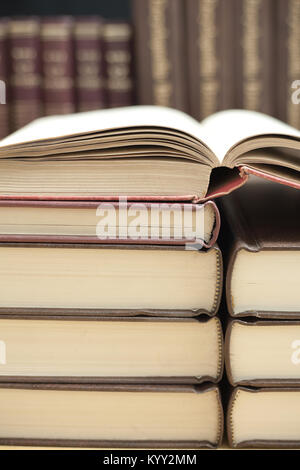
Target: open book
pixel 146 153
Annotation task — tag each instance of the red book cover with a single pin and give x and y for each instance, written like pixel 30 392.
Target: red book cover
pixel 25 70
pixel 118 63
pixel 58 65
pixel 89 63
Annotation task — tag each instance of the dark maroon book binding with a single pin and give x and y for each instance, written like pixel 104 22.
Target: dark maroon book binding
pixel 25 70
pixel 117 38
pixel 89 63
pixel 58 65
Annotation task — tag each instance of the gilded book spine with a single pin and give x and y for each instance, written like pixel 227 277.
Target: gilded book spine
pixel 160 58
pixel 210 56
pixel 255 55
pixel 288 61
pixel 89 63
pixel 25 70
pixel 4 99
pixel 58 65
pixel 117 39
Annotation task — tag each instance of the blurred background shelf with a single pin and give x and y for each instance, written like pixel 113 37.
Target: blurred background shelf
pixel 113 9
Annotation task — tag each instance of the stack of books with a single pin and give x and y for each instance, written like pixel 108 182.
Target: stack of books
pixel 111 278
pixel 263 298
pixel 63 64
pixel 110 285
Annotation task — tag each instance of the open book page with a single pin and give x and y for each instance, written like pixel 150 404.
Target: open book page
pixel 55 127
pixel 225 129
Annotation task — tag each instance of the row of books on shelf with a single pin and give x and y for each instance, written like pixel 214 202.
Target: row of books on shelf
pixel 202 56
pixel 113 263
pixel 196 56
pixel 59 65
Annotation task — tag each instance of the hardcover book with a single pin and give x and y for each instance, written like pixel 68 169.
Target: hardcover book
pixel 89 63
pixel 153 416
pixel 160 55
pixel 209 37
pixel 113 350
pixel 95 222
pixel 255 59
pixel 106 280
pixel 264 417
pixel 262 225
pixel 25 77
pixel 146 153
pixel 58 65
pixel 118 66
pixel 263 353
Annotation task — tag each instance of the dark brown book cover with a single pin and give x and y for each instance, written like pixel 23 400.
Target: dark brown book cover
pixel 256 443
pixel 58 65
pixel 272 382
pixel 89 63
pixel 260 216
pixel 254 58
pixel 119 388
pixel 4 97
pixel 118 63
pixel 117 312
pixel 287 74
pixel 160 56
pixel 25 70
pixel 122 379
pixel 210 36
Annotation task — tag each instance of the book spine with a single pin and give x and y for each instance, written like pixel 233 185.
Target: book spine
pixel 255 55
pixel 210 56
pixel 4 106
pixel 160 58
pixel 117 39
pixel 89 63
pixel 25 70
pixel 58 65
pixel 288 61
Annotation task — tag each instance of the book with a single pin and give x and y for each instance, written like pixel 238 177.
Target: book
pixel 89 63
pixel 264 418
pixel 160 53
pixel 106 279
pixel 153 416
pixel 287 54
pixel 263 229
pixel 110 350
pixel 118 66
pixel 255 55
pixel 58 65
pixel 146 153
pixel 209 37
pixel 263 353
pixel 25 76
pixel 95 222
pixel 4 74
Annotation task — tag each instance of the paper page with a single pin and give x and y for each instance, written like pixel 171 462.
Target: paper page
pixel 224 129
pixel 92 121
